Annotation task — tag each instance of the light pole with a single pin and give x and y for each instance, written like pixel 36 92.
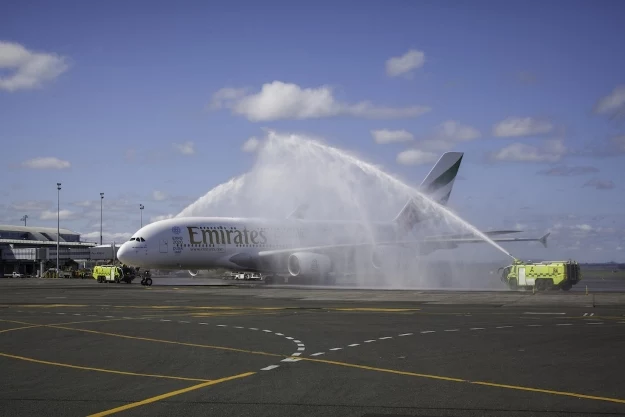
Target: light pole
pixel 101 198
pixel 24 219
pixel 141 207
pixel 58 224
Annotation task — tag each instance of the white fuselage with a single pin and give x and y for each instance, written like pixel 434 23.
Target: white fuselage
pixel 210 242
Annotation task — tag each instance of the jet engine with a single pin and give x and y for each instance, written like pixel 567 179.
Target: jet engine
pixel 193 273
pixel 308 264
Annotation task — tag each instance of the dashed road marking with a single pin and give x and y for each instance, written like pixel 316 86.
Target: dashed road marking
pixel 534 325
pixel 503 327
pixel 318 354
pixel 595 323
pixel 564 324
pixel 476 328
pixel 270 367
pixel 267 331
pixel 354 344
pixel 406 334
pixel 428 331
pixel 452 330
pixel 384 338
pixel 369 341
pixel 335 349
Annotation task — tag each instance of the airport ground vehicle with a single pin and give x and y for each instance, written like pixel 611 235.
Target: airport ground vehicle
pixel 541 275
pixel 146 278
pixel 110 273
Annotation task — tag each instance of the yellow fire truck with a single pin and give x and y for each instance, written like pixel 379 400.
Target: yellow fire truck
pixel 541 275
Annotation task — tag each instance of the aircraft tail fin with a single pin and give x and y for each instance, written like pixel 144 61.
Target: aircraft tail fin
pixel 437 185
pixel 439 182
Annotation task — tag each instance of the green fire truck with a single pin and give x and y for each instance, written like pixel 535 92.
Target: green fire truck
pixel 541 275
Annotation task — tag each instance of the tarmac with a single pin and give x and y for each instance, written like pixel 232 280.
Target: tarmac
pixel 79 348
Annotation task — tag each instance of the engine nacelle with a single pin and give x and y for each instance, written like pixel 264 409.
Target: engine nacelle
pixel 193 273
pixel 308 264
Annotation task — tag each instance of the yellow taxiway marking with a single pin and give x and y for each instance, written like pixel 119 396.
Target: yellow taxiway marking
pixel 169 394
pixel 466 381
pixel 148 339
pixel 19 328
pixel 109 371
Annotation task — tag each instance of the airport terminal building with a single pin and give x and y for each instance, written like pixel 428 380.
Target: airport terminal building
pixel 27 250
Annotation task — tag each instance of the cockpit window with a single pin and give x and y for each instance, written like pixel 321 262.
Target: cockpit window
pixel 142 239
pixel 132 238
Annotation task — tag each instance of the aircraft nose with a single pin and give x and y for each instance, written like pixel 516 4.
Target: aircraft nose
pixel 124 253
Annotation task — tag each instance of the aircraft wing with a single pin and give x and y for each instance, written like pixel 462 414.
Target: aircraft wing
pixel 423 246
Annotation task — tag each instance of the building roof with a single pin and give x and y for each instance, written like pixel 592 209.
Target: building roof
pixel 35 229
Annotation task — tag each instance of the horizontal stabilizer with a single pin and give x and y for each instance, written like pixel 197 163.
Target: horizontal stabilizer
pixel 543 239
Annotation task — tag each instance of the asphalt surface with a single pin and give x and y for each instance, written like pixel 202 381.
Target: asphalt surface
pixel 77 348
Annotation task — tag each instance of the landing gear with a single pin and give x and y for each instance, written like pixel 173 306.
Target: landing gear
pixel 146 281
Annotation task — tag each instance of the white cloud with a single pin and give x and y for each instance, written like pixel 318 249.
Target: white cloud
pixel 613 103
pixel 52 215
pixel 600 184
pixel 158 195
pixel 46 163
pixel 551 151
pixel 416 157
pixel 280 101
pixel 250 145
pixel 29 69
pixel 106 237
pixel 34 205
pixel 411 60
pixel 619 142
pixel 583 227
pixel 521 126
pixel 186 148
pixel 161 217
pixel 225 95
pixel 385 136
pixel 447 135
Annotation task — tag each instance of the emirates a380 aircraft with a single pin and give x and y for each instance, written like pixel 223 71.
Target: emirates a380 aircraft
pixel 294 246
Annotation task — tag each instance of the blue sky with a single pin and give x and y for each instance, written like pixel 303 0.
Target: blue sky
pixel 152 103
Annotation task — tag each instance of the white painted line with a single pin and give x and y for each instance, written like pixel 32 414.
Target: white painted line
pixel 354 344
pixel 252 328
pixel 165 320
pixel 270 367
pixel 203 323
pixel 502 327
pixel 369 341
pixel 476 328
pixel 336 348
pixel 222 325
pixel 301 349
pixel 297 341
pixel 296 354
pixel 594 323
pixel 317 354
pixel 127 318
pixel 387 337
pixel 290 338
pixel 406 334
pixel 429 331
pixel 291 360
pixel 300 344
pixel 108 317
pixel 77 314
pixel 564 324
pixel 61 313
pixel 238 327
pixel 531 312
pixel 182 321
pixel 279 334
pixel 534 325
pixel 622 322
pixel 267 331
pixel 451 330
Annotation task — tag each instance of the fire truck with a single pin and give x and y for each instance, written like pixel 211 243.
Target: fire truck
pixel 542 276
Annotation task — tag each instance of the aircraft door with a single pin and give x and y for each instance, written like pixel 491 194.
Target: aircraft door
pixel 163 246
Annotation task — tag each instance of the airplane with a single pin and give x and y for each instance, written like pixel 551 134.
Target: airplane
pixel 297 247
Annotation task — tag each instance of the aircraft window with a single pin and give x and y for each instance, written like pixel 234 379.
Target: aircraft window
pixel 132 238
pixel 142 239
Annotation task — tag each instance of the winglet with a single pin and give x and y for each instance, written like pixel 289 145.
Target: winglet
pixel 543 239
pixel 299 212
